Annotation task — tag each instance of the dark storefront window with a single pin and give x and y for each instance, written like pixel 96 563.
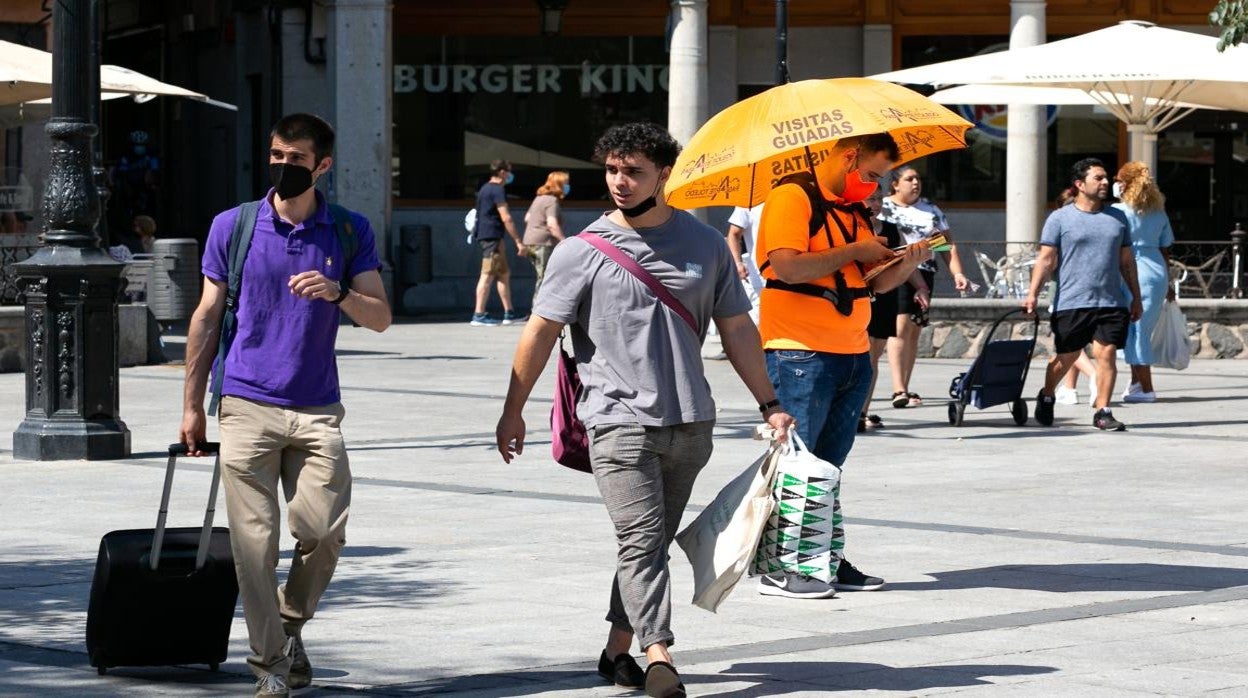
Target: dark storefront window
pixel 977 174
pixel 460 102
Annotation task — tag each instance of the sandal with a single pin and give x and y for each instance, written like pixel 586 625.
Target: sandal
pixel 874 422
pixel 901 399
pixel 915 400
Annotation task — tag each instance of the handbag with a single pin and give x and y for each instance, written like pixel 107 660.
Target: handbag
pixel 569 439
pixel 721 542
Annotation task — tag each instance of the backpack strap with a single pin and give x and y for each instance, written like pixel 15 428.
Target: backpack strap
pixel 235 256
pixel 818 207
pixel 347 239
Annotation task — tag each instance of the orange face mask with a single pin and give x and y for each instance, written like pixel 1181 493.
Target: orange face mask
pixel 855 188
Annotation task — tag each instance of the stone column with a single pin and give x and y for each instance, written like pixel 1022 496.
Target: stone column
pixel 360 68
pixel 687 85
pixel 877 48
pixel 1026 148
pixel 1142 145
pixel 70 285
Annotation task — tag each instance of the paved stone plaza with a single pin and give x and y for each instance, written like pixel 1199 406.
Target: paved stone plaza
pixel 1020 560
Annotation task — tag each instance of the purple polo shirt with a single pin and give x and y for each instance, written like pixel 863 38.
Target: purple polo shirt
pixel 283 350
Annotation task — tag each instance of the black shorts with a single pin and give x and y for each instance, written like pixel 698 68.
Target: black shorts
pixel 883 316
pixel 489 248
pixel 1074 329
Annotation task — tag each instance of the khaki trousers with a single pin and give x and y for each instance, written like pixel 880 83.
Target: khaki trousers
pixel 262 444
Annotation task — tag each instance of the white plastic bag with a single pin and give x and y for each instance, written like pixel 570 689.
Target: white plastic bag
pixel 1171 348
pixel 804 534
pixel 720 543
pixel 470 224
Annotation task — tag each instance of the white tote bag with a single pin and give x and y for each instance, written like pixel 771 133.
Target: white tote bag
pixel 721 542
pixel 804 534
pixel 1171 348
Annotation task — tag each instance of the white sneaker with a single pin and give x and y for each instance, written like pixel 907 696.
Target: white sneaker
pixel 1132 389
pixel 272 686
pixel 1066 396
pixel 1140 396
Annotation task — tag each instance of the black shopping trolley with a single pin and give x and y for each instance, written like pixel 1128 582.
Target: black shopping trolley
pixel 997 375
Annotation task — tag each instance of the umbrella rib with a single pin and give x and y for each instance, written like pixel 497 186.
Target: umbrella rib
pixel 1173 117
pixel 1115 106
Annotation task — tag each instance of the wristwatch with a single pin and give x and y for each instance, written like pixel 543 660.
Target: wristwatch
pixel 764 406
pixel 343 292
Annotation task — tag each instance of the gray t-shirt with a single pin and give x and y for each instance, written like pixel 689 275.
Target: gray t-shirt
pixel 536 232
pixel 639 362
pixel 1088 245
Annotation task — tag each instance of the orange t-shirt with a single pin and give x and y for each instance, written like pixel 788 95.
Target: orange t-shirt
pixel 789 320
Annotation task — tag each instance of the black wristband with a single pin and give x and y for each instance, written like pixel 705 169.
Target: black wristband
pixel 768 405
pixel 343 292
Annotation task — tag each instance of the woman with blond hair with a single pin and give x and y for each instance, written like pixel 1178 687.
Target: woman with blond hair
pixel 542 228
pixel 1151 238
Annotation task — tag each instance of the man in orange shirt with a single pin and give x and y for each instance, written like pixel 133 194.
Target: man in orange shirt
pixel 814 313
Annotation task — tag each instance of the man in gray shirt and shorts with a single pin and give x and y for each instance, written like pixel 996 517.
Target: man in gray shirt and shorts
pixel 645 401
pixel 1088 245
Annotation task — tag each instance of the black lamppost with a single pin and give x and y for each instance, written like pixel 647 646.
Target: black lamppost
pixel 782 42
pixel 70 285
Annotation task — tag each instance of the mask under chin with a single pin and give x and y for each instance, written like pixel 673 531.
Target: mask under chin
pixel 640 209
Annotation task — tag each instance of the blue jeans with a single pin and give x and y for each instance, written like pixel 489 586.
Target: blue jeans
pixel 824 392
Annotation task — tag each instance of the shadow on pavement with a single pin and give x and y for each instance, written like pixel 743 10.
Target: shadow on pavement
pixel 857 676
pixel 1084 577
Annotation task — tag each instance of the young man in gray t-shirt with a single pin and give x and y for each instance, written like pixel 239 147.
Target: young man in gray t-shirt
pixel 1088 246
pixel 646 401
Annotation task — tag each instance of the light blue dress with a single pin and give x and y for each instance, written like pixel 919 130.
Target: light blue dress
pixel 1150 232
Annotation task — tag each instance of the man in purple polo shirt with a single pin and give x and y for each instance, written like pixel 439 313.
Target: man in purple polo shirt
pixel 280 410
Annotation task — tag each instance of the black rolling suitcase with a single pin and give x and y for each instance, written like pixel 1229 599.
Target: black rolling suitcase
pixel 164 596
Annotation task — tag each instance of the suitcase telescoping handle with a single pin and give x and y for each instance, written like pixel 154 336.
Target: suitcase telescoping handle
pixel 158 537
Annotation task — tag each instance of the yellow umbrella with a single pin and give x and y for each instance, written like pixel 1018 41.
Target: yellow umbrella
pixel 739 154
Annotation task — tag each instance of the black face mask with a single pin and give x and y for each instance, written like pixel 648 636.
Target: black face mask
pixel 289 180
pixel 643 207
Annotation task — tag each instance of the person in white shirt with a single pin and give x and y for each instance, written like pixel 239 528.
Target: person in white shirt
pixel 743 227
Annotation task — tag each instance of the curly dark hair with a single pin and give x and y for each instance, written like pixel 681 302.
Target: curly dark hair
pixel 640 137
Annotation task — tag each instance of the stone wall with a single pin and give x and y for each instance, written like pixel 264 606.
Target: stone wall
pixel 1217 329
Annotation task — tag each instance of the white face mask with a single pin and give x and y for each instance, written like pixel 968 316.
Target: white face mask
pixel 1117 189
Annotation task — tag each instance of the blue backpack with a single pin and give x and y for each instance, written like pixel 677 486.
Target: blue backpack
pixel 236 255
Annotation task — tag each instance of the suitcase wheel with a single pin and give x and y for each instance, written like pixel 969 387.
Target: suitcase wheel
pixel 101 670
pixel 214 667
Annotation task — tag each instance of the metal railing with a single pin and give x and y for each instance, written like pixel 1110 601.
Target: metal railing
pixel 1198 268
pixel 1203 268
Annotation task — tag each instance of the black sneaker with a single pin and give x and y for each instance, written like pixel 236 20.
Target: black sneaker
pixel 623 671
pixel 1044 408
pixel 849 578
pixel 1104 420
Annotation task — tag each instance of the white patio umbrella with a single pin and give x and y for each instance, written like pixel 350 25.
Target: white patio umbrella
pixel 1147 76
pixel 26 77
pixel 25 73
